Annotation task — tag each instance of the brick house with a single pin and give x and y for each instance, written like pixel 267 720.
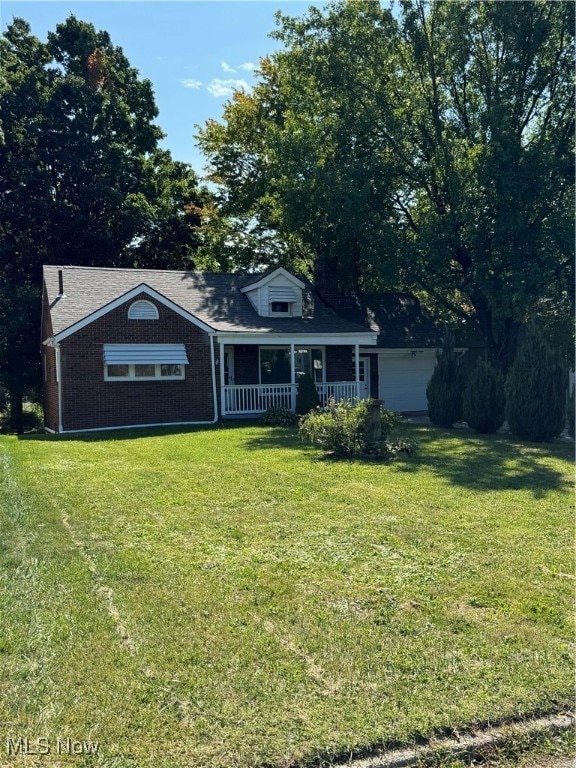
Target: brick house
pixel 130 347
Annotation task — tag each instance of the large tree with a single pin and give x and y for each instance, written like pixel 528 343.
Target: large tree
pixel 82 178
pixel 430 151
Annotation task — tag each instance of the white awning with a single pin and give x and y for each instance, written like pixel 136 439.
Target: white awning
pixel 122 354
pixel 281 294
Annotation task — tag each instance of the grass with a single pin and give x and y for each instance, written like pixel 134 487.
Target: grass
pixel 226 598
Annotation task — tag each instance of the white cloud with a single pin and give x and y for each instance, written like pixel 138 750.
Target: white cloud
pixel 248 66
pixel 226 67
pixel 190 83
pixel 219 87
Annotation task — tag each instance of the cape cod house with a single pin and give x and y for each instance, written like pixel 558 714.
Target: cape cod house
pixel 130 347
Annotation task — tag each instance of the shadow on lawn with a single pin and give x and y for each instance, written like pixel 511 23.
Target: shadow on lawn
pixel 478 462
pixel 487 462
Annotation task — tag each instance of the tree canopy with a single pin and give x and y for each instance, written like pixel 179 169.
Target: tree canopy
pixel 82 178
pixel 431 152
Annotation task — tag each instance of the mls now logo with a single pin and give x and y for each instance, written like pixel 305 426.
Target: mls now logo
pixel 43 746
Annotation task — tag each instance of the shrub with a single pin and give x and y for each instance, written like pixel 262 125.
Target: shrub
pixel 536 390
pixel 307 397
pixel 346 429
pixel 32 418
pixel 278 417
pixel 483 401
pixel 570 415
pixel 444 390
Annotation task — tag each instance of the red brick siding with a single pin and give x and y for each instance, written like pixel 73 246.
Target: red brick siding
pixel 340 363
pixel 49 383
pixel 90 402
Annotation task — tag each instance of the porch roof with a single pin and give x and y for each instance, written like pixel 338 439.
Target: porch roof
pixel 214 298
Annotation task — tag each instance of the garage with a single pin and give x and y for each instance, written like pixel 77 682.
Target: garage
pixel 403 377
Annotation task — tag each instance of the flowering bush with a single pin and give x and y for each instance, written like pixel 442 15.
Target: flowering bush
pixel 346 429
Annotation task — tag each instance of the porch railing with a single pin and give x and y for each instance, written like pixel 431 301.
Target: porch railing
pixel 337 390
pixel 240 399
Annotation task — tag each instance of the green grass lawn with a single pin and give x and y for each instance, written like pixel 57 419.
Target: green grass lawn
pixel 226 597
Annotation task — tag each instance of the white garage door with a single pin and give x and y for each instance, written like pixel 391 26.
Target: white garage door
pixel 402 380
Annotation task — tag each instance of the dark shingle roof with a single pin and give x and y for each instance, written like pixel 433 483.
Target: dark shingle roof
pixel 398 318
pixel 214 298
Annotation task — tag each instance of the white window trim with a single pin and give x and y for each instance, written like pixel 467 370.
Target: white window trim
pixel 132 377
pixel 296 348
pixel 289 313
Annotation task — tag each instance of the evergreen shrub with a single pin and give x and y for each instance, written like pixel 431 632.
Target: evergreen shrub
pixel 307 396
pixel 483 400
pixel 444 390
pixel 536 390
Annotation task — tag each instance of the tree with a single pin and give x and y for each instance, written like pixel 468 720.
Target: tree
pixel 536 389
pixel 431 153
pixel 82 180
pixel 444 390
pixel 483 400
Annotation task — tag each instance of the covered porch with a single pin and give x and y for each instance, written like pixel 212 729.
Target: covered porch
pixel 256 376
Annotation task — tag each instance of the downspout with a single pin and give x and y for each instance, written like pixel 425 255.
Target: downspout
pixel 213 366
pixel 59 382
pixel 222 389
pixel 357 368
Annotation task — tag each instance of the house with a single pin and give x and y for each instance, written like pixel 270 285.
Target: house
pixel 132 347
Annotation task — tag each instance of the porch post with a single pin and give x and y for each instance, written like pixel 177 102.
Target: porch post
pixel 292 379
pixel 357 368
pixel 222 380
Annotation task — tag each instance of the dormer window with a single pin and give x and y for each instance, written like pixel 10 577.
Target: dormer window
pixel 279 308
pixel 143 310
pixel 277 294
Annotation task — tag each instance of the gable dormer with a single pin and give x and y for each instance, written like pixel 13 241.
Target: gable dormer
pixel 278 294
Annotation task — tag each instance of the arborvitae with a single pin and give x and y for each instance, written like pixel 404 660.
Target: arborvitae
pixel 444 390
pixel 307 397
pixel 570 415
pixel 536 390
pixel 483 401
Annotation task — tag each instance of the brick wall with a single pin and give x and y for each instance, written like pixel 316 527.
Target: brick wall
pixel 340 363
pixel 49 383
pixel 90 402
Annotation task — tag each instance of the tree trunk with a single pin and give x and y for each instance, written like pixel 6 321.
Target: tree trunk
pixel 15 395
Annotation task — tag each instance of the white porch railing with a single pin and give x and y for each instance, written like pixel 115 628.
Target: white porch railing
pixel 337 390
pixel 241 399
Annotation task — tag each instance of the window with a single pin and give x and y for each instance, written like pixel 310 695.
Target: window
pixel 143 371
pixel 309 361
pixel 142 362
pixel 275 364
pixel 143 310
pixel 280 308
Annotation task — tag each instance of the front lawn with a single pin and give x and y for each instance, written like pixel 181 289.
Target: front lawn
pixel 227 598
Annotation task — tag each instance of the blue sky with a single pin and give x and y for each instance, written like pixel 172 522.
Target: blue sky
pixel 193 52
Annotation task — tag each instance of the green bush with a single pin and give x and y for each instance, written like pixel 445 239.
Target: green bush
pixel 307 396
pixel 278 417
pixel 536 390
pixel 570 415
pixel 345 429
pixel 32 418
pixel 444 390
pixel 483 401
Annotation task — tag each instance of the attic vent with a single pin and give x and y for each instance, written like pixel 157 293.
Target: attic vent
pixel 143 310
pixel 281 294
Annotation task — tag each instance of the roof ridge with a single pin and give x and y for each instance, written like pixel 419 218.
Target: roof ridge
pixel 142 269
